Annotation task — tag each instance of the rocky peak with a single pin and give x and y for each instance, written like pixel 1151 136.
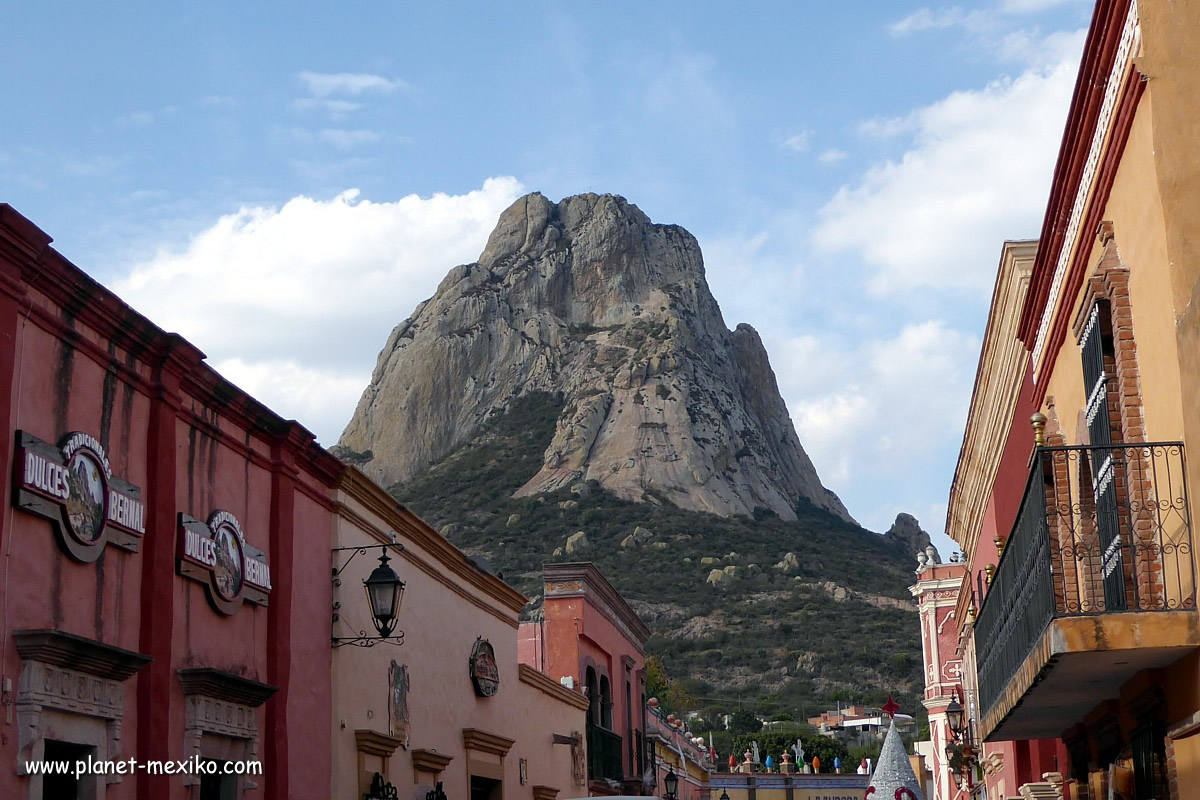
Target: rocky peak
pixel 906 533
pixel 589 298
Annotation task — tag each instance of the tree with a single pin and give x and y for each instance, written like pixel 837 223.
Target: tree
pixel 743 721
pixel 672 696
pixel 712 718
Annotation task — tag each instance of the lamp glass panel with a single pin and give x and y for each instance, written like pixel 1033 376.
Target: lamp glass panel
pixel 954 716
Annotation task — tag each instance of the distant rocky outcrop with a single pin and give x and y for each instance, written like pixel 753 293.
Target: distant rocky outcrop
pixel 589 299
pixel 906 533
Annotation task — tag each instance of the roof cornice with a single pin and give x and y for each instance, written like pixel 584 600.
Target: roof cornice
pixel 586 573
pixel 1003 361
pixel 411 527
pixel 1106 63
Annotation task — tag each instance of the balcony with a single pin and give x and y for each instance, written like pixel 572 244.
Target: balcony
pixel 1096 582
pixel 604 755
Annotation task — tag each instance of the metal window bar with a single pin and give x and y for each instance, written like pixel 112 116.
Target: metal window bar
pixel 1149 761
pixel 604 755
pixel 1057 562
pixel 1105 480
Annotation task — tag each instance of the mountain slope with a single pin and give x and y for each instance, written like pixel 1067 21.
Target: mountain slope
pixel 815 610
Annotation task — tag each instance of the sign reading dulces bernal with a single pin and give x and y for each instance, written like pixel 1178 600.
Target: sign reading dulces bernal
pixel 215 553
pixel 72 485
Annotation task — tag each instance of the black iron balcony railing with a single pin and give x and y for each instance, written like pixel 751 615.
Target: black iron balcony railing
pixel 604 755
pixel 1100 530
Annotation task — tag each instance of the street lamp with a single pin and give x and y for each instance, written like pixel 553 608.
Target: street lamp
pixel 954 716
pixel 960 746
pixel 724 795
pixel 384 590
pixel 384 593
pixel 671 782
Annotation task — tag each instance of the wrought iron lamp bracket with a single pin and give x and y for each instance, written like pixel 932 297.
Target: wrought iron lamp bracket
pixel 363 639
pixel 396 546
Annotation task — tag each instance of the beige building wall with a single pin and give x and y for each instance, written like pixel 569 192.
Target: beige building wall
pixel 1139 230
pixel 1154 212
pixel 450 732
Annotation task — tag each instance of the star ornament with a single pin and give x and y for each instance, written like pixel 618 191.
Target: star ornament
pixel 890 707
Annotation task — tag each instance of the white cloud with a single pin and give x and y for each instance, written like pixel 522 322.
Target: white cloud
pixel 977 172
pixel 797 142
pixel 91 166
pixel 347 139
pixel 314 394
pixel 993 32
pixel 294 302
pixel 686 82
pixel 832 156
pixel 925 19
pixel 1037 50
pixel 335 108
pixel 217 101
pixel 886 127
pixel 871 412
pixel 1032 6
pixel 323 84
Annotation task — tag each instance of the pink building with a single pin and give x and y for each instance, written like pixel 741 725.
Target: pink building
pixel 589 637
pixel 452 708
pixel 937 590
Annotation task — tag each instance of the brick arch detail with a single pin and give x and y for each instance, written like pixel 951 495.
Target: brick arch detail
pixel 1111 283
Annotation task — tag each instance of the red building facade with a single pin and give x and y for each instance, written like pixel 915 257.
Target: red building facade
pixel 589 637
pixel 165 592
pixel 985 499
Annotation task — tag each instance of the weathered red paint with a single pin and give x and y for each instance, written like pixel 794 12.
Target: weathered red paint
pixel 74 357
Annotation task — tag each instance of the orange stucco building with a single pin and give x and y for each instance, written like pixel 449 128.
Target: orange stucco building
pixel 589 637
pixel 1078 613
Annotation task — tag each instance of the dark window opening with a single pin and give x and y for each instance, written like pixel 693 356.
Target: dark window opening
pixel 486 788
pixel 606 720
pixel 60 781
pixel 593 692
pixel 1149 761
pixel 218 786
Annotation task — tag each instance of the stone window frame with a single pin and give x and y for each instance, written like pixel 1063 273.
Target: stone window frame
pixel 221 704
pixel 425 763
pixel 73 679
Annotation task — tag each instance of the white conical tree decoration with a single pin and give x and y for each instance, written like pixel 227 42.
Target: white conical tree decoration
pixel 894 778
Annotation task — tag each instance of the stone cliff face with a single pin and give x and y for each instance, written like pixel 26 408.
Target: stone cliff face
pixel 590 299
pixel 906 532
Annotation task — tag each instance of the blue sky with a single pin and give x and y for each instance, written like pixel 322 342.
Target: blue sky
pixel 282 183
